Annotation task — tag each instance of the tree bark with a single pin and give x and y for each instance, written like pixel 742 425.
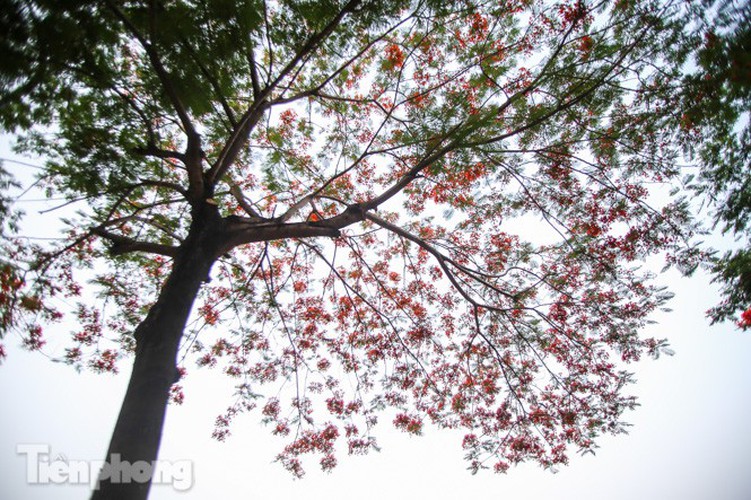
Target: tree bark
pixel 138 430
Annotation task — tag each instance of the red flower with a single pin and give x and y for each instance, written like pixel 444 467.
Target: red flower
pixel 745 321
pixel 177 395
pixel 585 45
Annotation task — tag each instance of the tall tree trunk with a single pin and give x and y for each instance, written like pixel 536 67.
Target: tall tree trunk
pixel 138 430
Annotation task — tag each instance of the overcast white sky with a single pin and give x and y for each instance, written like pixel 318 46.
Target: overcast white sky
pixel 690 439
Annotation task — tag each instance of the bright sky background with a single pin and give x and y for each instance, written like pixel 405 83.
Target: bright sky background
pixel 690 438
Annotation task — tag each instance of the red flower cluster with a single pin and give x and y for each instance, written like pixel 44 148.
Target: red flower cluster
pixel 394 56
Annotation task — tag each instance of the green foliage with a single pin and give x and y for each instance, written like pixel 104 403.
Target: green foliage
pixel 8 214
pixel 716 104
pixel 733 271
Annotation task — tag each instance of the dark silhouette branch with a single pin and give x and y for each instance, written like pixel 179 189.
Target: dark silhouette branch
pixel 122 244
pixel 156 152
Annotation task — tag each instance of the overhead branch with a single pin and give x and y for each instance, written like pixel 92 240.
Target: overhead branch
pixel 313 42
pixel 193 156
pixel 236 141
pixel 434 153
pixel 251 117
pixel 443 261
pixel 254 80
pixel 243 230
pixel 153 150
pixel 441 148
pixel 237 193
pixel 294 209
pixel 122 244
pixel 315 91
pixel 386 321
pixel 45 260
pixel 563 105
pixel 159 68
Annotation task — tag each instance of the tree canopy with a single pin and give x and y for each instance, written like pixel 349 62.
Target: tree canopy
pixel 436 211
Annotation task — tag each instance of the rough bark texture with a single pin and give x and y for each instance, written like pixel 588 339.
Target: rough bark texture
pixel 138 430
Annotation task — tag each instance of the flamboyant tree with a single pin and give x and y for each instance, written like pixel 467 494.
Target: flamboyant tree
pixel 435 211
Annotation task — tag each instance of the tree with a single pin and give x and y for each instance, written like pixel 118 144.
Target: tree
pixel 716 98
pixel 432 209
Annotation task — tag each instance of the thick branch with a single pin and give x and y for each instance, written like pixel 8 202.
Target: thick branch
pixel 122 244
pixel 255 81
pixel 152 150
pixel 242 230
pixel 237 193
pixel 236 141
